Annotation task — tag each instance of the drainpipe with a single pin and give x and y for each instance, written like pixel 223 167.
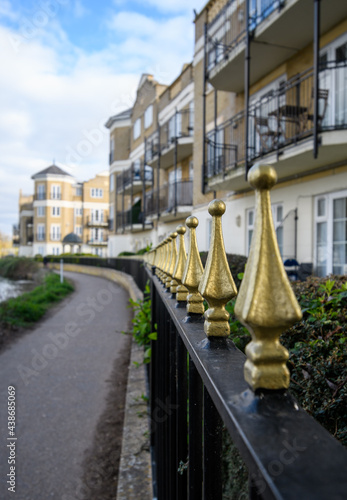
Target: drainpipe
pixel 204 113
pixel 295 233
pixel 316 29
pixel 247 71
pixel 158 171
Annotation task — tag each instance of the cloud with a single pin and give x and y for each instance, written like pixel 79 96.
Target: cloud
pixel 55 97
pixel 79 9
pixel 167 6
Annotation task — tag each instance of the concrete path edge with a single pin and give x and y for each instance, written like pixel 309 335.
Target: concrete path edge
pixel 135 474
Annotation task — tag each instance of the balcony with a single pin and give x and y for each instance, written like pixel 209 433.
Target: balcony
pixel 55 237
pixel 176 133
pixel 175 201
pixel 272 25
pixel 46 196
pixel 281 130
pixel 97 222
pixel 134 179
pixel 132 220
pixel 98 242
pixel 40 237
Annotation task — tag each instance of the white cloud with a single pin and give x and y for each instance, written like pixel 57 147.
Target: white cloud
pixel 6 10
pixel 55 98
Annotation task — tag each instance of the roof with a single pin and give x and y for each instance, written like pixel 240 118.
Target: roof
pixel 124 115
pixel 72 238
pixel 53 170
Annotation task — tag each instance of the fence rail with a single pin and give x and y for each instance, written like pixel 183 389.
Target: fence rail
pixel 199 381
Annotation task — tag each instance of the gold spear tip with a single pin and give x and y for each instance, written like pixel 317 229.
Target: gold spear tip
pixel 216 208
pixel 180 229
pixel 262 176
pixel 192 222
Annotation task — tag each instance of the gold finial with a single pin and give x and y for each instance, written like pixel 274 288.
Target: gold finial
pixel 217 285
pixel 160 259
pixel 172 260
pixel 266 304
pixel 181 290
pixel 179 259
pixel 193 272
pixel 166 260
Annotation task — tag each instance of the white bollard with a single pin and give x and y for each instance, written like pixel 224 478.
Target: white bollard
pixel 61 271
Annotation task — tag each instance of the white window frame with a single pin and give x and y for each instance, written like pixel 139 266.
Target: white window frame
pixel 148 116
pixel 328 217
pixel 41 192
pixel 55 192
pixel 41 211
pixel 96 192
pixel 55 232
pixel 78 212
pixel 40 232
pixel 79 191
pixel 137 129
pixel 78 230
pixel 55 211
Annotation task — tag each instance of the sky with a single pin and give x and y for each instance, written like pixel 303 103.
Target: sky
pixel 66 67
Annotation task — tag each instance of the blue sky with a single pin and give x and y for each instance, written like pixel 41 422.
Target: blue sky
pixel 67 65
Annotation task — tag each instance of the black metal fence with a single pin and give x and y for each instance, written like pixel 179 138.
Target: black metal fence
pixel 196 386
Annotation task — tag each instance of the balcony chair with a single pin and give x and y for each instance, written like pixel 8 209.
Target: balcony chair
pixel 268 137
pixel 323 95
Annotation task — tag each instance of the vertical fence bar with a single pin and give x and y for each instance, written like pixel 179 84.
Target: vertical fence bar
pixel 171 404
pixel 181 424
pixel 195 434
pixel 212 453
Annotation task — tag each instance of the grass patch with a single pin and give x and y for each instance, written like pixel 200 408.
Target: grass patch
pixel 31 306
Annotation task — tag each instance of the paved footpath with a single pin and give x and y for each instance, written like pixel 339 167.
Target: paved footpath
pixel 60 372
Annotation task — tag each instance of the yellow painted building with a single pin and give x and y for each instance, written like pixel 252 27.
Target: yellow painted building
pixel 66 215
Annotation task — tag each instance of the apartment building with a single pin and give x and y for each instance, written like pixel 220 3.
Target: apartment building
pixel 23 232
pixel 267 84
pixel 65 215
pixel 270 86
pixel 151 164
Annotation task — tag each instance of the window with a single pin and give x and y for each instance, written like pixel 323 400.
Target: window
pixel 148 116
pixel 111 216
pixel 40 232
pixel 55 192
pixel 97 193
pixel 41 192
pixel 41 211
pixel 78 230
pixel 137 129
pixel 79 191
pixel 175 126
pixel 55 232
pixel 56 211
pixel 78 212
pixel 191 118
pixel 111 182
pixel 97 215
pixel 250 228
pixel 41 250
pixel 331 234
pixel 55 250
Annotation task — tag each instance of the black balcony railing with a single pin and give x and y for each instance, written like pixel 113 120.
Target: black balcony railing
pixel 125 220
pixel 135 174
pixel 100 221
pixel 179 126
pixel 40 196
pixel 228 29
pixel 40 236
pixel 55 236
pixel 98 241
pixel 171 196
pixel 279 119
